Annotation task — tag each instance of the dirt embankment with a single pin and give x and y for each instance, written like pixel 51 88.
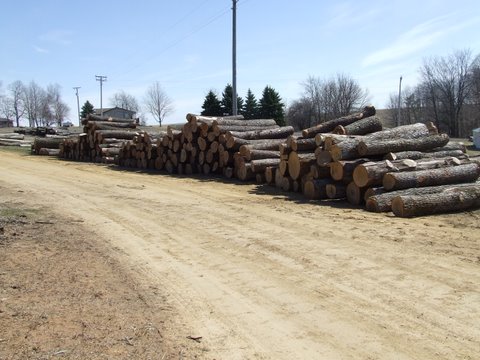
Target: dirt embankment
pixel 129 264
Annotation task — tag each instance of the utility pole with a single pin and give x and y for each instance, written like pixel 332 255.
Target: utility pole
pixel 399 101
pixel 234 58
pixel 78 104
pixel 101 78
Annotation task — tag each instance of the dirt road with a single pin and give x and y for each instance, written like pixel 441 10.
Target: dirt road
pixel 260 275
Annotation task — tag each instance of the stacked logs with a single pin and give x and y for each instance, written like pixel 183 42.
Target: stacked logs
pixel 101 139
pixel 49 145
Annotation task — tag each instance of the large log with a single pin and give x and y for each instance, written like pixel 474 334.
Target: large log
pixel 299 164
pixel 355 194
pixel 343 169
pixel 110 125
pixel 415 155
pixel 118 134
pixel 336 190
pixel 331 124
pixel 453 199
pixel 242 128
pixel 92 117
pixel 449 175
pixel 273 133
pixel 264 144
pixel 49 143
pixel 381 201
pixel 361 127
pixel 371 173
pixel 303 144
pixel 369 147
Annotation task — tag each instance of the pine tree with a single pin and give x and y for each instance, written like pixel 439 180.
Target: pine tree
pixel 227 104
pixel 250 108
pixel 212 106
pixel 271 106
pixel 87 108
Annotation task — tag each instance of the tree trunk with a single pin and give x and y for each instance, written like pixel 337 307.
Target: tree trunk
pixel 443 176
pixel 92 117
pixel 361 127
pixel 110 125
pixel 415 155
pixel 49 143
pixel 336 190
pixel 343 170
pixel 244 172
pixel 242 128
pixel 264 144
pixel 299 164
pixel 316 189
pixel 355 194
pixel 455 198
pixel 347 149
pixel 275 133
pixel 270 174
pixel 371 173
pixel 369 147
pixel 254 154
pixel 261 164
pixel 303 144
pixel 331 124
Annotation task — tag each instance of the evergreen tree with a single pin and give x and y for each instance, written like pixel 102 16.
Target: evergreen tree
pixel 271 106
pixel 87 108
pixel 227 104
pixel 212 106
pixel 250 107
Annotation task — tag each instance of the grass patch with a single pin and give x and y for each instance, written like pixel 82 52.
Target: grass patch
pixel 22 150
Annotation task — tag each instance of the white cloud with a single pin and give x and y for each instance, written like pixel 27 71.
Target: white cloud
pixel 416 39
pixel 40 50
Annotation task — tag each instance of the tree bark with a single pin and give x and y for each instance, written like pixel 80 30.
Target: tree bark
pixel 443 176
pixel 455 198
pixel 303 144
pixel 270 174
pixel 261 164
pixel 369 146
pixel 371 173
pixel 242 128
pixel 254 154
pixel 331 124
pixel 336 190
pixel 355 194
pixel 264 144
pixel 273 133
pixel 342 170
pixel 361 127
pixel 416 155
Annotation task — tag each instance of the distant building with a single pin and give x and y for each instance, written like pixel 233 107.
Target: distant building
pixel 116 112
pixel 4 123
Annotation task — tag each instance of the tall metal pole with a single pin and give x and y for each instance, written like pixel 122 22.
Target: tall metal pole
pixel 101 78
pixel 399 101
pixel 234 58
pixel 78 105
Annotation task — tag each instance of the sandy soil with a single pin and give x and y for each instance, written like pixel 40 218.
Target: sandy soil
pixel 254 273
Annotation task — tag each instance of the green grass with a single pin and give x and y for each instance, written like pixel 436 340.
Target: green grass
pixel 23 150
pixel 17 212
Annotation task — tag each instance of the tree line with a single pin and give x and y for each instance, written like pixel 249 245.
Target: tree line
pixel 40 106
pixel 448 94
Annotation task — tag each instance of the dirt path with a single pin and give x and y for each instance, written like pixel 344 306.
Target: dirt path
pixel 260 275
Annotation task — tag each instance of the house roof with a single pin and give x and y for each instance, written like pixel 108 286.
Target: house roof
pixel 98 111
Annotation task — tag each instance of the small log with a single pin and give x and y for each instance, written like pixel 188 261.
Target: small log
pixel 254 154
pixel 270 174
pixel 264 144
pixel 336 190
pixel 361 127
pixel 343 169
pixel 316 189
pixel 244 172
pixel 416 155
pixel 331 124
pixel 453 199
pixel 49 152
pixel 442 176
pixel 275 133
pixel 355 195
pixel 260 165
pixel 303 144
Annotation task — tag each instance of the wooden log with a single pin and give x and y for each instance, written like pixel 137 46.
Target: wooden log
pixel 283 167
pixel 287 184
pixel 275 133
pixel 336 190
pixel 218 129
pixel 303 144
pixel 299 164
pixel 244 172
pixel 415 155
pixel 369 147
pixel 343 169
pixel 254 154
pixel 371 173
pixel 270 174
pixel 246 123
pixel 379 200
pixel 48 143
pixel 442 176
pixel 316 189
pixel 355 195
pixel 117 134
pixel 320 171
pixel 331 124
pixel 278 179
pixel 323 157
pixel 48 152
pixel 361 127
pixel 347 149
pixel 264 144
pixel 92 117
pixel 259 166
pixel 453 199
pixel 110 125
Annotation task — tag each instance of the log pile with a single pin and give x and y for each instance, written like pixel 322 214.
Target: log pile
pixel 13 139
pixel 100 140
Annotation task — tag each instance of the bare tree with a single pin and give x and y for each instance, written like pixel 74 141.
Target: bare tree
pixel 57 107
pixel 157 102
pixel 300 113
pixel 17 90
pixel 334 97
pixel 125 101
pixel 448 85
pixel 34 101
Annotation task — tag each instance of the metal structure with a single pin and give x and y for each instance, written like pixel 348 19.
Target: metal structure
pixel 234 58
pixel 78 104
pixel 101 78
pixel 399 102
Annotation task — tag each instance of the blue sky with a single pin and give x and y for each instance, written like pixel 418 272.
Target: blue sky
pixel 186 45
